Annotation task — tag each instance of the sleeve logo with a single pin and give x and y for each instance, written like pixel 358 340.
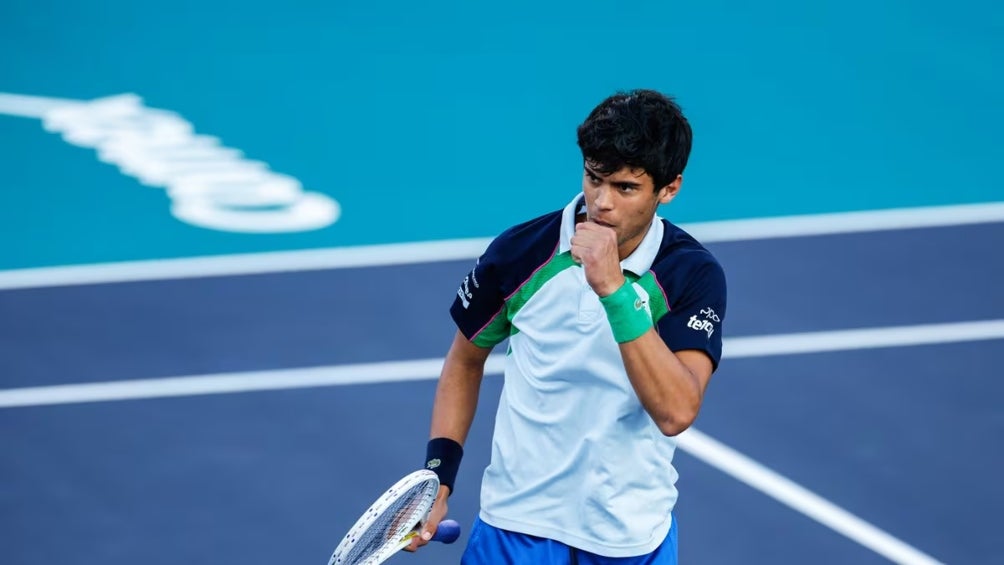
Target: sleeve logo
pixel 704 325
pixel 464 292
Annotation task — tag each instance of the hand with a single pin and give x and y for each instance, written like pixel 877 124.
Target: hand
pixel 436 515
pixel 595 248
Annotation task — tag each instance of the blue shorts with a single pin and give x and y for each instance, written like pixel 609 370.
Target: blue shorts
pixel 489 545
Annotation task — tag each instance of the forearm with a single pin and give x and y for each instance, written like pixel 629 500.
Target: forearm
pixel 452 415
pixel 457 392
pixel 456 401
pixel 668 389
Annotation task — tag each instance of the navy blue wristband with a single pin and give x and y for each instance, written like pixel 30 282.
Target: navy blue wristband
pixel 442 456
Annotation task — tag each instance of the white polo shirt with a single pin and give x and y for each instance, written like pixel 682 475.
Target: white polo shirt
pixel 575 457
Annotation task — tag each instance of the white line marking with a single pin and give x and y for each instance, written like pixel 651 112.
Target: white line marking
pixel 693 441
pixel 228 383
pixel 868 338
pixel 784 490
pixel 374 373
pixel 848 222
pixel 244 264
pixel 459 249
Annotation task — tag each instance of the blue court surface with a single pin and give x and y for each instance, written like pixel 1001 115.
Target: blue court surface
pixel 230 233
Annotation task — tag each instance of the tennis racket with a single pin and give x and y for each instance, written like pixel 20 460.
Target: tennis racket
pixel 392 521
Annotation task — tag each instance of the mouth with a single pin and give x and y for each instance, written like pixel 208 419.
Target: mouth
pixel 602 223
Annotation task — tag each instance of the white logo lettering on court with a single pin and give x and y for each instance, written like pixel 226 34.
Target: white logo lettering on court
pixel 210 186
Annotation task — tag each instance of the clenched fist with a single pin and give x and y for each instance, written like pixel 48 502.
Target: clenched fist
pixel 595 248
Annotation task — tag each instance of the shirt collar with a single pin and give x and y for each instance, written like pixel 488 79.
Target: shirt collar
pixel 638 262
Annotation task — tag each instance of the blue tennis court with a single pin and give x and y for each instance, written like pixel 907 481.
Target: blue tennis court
pixel 231 234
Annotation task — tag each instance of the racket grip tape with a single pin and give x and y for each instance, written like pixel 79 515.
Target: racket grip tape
pixel 447 532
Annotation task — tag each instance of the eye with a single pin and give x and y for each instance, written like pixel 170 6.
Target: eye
pixel 592 178
pixel 627 187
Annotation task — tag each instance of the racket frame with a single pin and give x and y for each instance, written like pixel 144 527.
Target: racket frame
pixel 375 512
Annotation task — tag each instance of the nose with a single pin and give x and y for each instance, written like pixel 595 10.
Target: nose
pixel 604 197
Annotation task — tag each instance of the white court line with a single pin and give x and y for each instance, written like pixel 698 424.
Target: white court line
pixel 394 371
pixel 869 338
pixel 244 264
pixel 457 249
pixel 229 383
pixel 692 441
pixel 797 497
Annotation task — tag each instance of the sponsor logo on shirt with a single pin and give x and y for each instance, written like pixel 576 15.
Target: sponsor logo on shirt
pixel 701 325
pixel 709 314
pixel 474 277
pixel 464 292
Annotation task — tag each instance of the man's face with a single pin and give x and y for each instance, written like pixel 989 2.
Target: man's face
pixel 625 201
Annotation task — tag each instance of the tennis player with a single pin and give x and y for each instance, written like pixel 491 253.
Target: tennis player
pixel 614 319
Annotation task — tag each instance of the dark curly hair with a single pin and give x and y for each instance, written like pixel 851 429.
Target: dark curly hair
pixel 638 129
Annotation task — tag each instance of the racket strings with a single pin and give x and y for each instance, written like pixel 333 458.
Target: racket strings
pixel 392 523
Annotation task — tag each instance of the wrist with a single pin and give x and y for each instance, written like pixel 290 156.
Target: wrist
pixel 442 456
pixel 444 492
pixel 608 289
pixel 627 311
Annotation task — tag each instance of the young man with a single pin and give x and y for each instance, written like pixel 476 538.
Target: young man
pixel 614 319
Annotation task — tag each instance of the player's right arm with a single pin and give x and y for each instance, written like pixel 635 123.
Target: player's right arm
pixel 453 411
pixel 457 391
pixel 479 310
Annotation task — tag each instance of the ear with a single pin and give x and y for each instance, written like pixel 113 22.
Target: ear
pixel 669 191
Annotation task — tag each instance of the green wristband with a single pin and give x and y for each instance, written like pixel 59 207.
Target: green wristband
pixel 627 312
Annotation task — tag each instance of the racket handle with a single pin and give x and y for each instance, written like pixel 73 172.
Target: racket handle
pixel 447 532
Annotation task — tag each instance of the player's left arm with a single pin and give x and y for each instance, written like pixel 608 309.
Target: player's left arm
pixel 670 385
pixel 671 363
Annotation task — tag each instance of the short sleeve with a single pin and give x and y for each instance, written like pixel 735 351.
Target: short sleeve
pixel 696 312
pixel 479 306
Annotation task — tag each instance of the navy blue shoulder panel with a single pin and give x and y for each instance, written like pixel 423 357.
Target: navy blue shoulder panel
pixel 694 284
pixel 507 263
